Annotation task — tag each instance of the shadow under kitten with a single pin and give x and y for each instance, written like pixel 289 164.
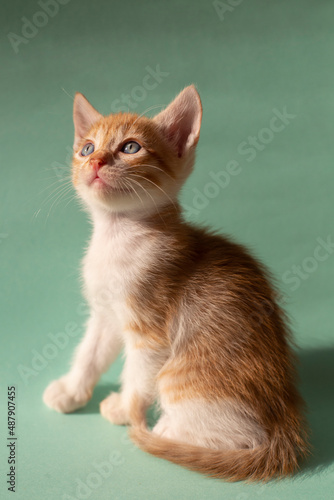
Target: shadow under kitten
pixel 101 391
pixel 316 370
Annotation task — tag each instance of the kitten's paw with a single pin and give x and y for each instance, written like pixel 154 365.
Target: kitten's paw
pixel 58 397
pixel 164 429
pixel 113 410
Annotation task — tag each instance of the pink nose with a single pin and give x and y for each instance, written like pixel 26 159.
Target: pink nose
pixel 97 163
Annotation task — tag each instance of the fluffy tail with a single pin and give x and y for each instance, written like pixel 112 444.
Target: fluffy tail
pixel 276 459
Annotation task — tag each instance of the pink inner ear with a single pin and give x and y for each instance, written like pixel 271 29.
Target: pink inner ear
pixel 181 120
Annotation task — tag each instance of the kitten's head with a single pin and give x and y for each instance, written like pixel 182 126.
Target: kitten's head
pixel 125 162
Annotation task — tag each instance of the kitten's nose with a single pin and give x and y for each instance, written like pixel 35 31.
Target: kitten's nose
pixel 97 162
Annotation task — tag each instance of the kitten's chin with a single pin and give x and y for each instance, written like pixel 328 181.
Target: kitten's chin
pixel 98 183
pixel 101 187
pixel 98 195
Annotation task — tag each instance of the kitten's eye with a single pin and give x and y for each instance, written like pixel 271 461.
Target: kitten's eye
pixel 87 149
pixel 131 147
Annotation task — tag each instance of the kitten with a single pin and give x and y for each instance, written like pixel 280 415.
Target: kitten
pixel 197 317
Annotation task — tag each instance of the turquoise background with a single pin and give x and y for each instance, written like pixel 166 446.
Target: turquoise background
pixel 253 58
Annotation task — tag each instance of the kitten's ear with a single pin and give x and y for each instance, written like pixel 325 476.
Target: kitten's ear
pixel 84 117
pixel 181 120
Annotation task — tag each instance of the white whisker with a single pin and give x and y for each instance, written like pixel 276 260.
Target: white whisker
pixel 62 88
pixel 162 190
pixel 52 184
pixel 134 190
pixel 63 193
pixel 58 191
pixel 71 199
pixel 147 192
pixel 54 192
pixel 152 166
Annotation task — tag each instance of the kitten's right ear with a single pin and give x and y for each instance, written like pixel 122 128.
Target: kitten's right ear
pixel 180 122
pixel 84 117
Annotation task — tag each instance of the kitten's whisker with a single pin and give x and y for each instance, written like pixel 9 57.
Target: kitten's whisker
pixel 35 215
pixel 134 190
pixel 147 192
pixel 55 177
pixel 30 198
pixel 152 166
pixel 131 188
pixel 71 199
pixel 126 185
pixel 62 88
pixel 52 184
pixel 65 178
pixel 64 192
pixel 57 191
pixel 54 193
pixel 66 168
pixel 162 190
pixel 64 189
pixel 63 198
pixel 37 211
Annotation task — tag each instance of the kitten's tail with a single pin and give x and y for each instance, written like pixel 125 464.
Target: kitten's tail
pixel 276 459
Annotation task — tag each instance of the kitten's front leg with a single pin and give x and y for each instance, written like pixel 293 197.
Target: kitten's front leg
pixel 138 392
pixel 98 349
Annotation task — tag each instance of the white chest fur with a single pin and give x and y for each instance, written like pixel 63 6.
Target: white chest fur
pixel 120 251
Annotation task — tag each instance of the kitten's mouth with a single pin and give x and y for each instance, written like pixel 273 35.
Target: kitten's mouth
pixel 99 182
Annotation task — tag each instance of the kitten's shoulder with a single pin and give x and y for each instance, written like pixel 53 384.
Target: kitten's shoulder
pixel 222 250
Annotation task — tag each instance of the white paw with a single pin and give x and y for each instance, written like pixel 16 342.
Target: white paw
pixel 113 410
pixel 58 396
pixel 163 428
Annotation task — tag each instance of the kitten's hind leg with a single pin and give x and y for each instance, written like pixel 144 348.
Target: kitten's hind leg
pixel 124 411
pixel 98 349
pixel 216 425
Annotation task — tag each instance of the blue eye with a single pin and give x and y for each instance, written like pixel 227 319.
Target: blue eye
pixel 88 149
pixel 131 147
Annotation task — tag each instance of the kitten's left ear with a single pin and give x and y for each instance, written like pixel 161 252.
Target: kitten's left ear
pixel 84 117
pixel 180 122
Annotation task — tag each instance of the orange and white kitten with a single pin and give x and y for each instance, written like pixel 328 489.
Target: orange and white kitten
pixel 196 315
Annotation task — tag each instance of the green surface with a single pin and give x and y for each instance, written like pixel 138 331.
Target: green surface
pixel 255 58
